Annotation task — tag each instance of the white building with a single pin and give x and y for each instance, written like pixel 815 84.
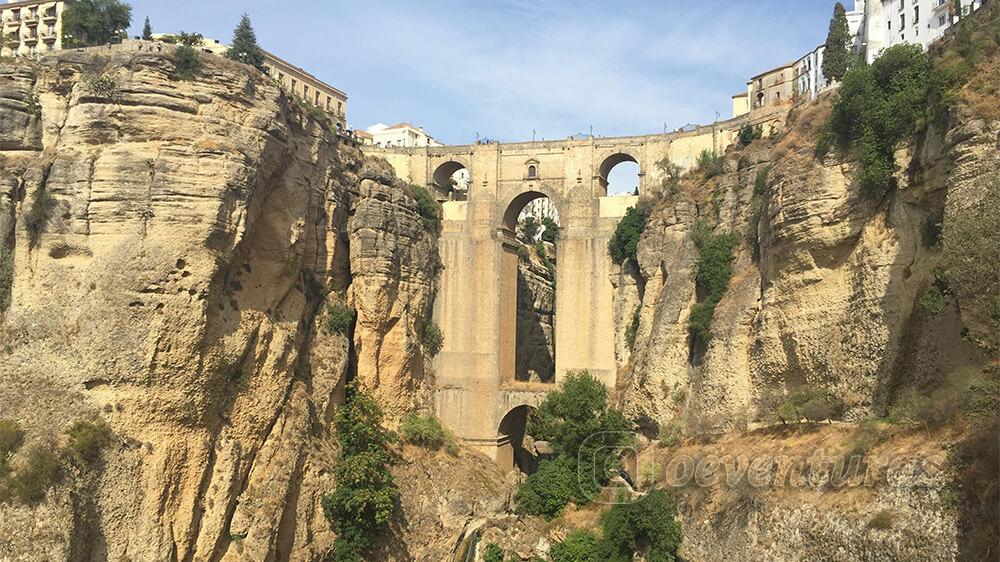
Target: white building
pixel 809 79
pixel 400 135
pixel 894 22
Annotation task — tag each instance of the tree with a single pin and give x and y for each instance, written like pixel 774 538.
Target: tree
pixel 836 55
pixel 95 22
pixel 147 30
pixel 956 10
pixel 245 48
pixel 366 496
pixel 529 229
pixel 624 243
pixel 551 232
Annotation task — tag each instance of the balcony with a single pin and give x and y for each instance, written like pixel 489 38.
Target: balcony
pixel 49 17
pixel 48 35
pixel 939 4
pixel 30 19
pixel 12 22
pixel 13 40
pixel 31 39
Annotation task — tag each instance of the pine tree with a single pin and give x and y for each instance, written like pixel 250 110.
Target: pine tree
pixel 147 30
pixel 956 10
pixel 245 48
pixel 836 54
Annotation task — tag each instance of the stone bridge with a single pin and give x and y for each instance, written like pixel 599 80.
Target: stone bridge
pixel 478 396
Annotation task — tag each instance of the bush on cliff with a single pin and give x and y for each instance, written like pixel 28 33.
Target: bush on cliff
pixel 86 438
pixel 6 278
pixel 365 497
pixel 625 241
pixel 187 62
pixel 877 107
pixel 41 469
pixel 710 163
pixel 715 268
pixel 584 433
pixel 11 438
pixel 811 403
pixel 428 209
pixel 433 338
pixel 339 318
pixel 427 432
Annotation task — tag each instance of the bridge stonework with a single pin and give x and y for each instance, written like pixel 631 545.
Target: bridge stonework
pixel 476 305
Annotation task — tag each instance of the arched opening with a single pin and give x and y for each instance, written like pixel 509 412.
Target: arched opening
pixel 453 178
pixel 515 448
pixel 532 172
pixel 528 291
pixel 620 175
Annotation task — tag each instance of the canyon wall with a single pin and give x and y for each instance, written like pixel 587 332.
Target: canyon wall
pixel 172 246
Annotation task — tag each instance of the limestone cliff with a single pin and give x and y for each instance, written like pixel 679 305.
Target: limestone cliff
pixel 171 246
pixel 536 306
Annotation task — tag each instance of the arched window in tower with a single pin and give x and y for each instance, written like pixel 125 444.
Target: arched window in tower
pixel 532 172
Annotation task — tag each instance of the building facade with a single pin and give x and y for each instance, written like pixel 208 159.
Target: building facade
pixel 895 22
pixel 400 135
pixel 773 88
pixel 809 74
pixel 31 27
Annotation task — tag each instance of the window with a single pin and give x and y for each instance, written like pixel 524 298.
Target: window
pixel 340 108
pixel 916 15
pixel 328 100
pixel 317 99
pixel 305 92
pixel 281 77
pixel 532 172
pixel 295 85
pixel 902 21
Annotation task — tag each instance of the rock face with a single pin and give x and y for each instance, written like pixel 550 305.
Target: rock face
pixel 831 300
pixel 173 244
pixel 536 308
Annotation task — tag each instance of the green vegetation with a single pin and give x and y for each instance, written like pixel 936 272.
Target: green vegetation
pixel 103 86
pixel 492 553
pixel 427 432
pixel 934 300
pixel 187 62
pixel 86 438
pixel 366 496
pixel 147 30
pixel 811 403
pixel 529 229
pixel 633 327
pixel 584 433
pixel 749 133
pixel 339 318
pixel 757 206
pixel 625 241
pixel 95 22
pixel 877 108
pixel 428 209
pixel 836 54
pixel 647 528
pixel 244 47
pixel 715 268
pixel 710 163
pixel 868 435
pixel 41 469
pixel 551 232
pixel 433 339
pixel 670 433
pixel 6 277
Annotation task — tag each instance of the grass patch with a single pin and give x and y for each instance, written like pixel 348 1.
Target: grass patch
pixel 87 438
pixel 6 277
pixel 809 403
pixel 11 439
pixel 339 318
pixel 41 470
pixel 427 432
pixel 633 328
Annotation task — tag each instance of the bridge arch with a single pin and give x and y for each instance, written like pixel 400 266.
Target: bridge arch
pixel 512 452
pixel 445 172
pixel 609 163
pixel 515 203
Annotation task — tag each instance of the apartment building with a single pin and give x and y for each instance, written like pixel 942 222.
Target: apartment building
pixel 31 27
pixel 921 22
pixel 400 135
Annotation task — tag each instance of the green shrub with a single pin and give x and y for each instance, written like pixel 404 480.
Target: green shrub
pixel 932 302
pixel 433 340
pixel 584 433
pixel 749 133
pixel 551 232
pixel 492 553
pixel 86 438
pixel 578 546
pixel 710 163
pixel 365 497
pixel 867 436
pixel 625 241
pixel 6 277
pixel 929 409
pixel 339 318
pixel 319 116
pixel 811 403
pixel 40 471
pixel 523 253
pixel 187 62
pixel 877 107
pixel 427 432
pixel 670 433
pixel 428 209
pixel 103 86
pixel 647 527
pixel 633 327
pixel 529 229
pixel 547 491
pixel 715 268
pixel 679 395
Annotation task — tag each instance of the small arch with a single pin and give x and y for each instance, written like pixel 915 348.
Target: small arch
pixel 532 172
pixel 620 167
pixel 451 176
pixel 513 441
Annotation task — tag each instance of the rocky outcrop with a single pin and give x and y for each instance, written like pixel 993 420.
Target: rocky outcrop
pixel 173 245
pixel 536 306
pixel 831 300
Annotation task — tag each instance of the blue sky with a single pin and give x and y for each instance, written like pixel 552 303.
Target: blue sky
pixel 506 67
